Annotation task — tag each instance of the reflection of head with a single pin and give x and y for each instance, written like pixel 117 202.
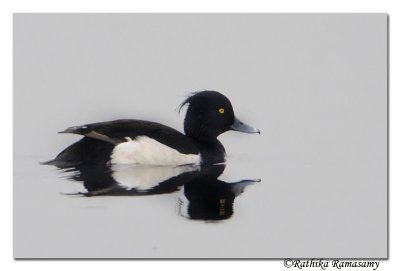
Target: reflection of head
pixel 208 198
pixel 206 208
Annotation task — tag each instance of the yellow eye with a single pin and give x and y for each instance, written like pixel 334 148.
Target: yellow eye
pixel 221 111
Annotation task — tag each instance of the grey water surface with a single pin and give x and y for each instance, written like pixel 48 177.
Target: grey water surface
pixel 314 84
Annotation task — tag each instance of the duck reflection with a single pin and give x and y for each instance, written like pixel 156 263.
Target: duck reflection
pixel 202 195
pixel 207 198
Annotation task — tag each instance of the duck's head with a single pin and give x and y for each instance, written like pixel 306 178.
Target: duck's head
pixel 210 114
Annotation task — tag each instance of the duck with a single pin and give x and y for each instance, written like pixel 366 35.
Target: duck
pixel 139 142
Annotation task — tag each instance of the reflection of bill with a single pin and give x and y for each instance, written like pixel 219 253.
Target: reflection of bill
pixel 202 195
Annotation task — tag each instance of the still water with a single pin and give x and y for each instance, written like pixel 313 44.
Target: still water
pixel 124 211
pixel 246 208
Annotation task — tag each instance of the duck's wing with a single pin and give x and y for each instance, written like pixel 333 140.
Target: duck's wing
pixel 118 131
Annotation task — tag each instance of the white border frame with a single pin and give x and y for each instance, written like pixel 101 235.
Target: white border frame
pixel 8 7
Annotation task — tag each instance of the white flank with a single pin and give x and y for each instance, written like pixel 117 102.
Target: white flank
pixel 146 177
pixel 147 151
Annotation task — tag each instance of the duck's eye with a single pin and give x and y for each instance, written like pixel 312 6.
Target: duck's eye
pixel 221 111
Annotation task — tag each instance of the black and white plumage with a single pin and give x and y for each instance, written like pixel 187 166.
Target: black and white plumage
pixel 209 114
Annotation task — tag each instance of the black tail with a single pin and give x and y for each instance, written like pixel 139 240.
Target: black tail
pixel 86 150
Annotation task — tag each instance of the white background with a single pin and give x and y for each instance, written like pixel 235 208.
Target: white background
pixel 7 8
